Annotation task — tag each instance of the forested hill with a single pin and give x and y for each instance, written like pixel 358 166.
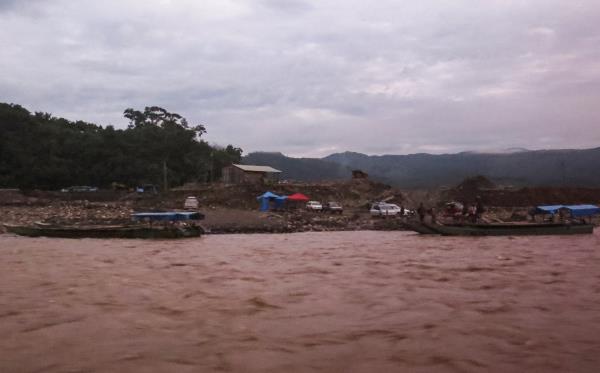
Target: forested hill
pixel 38 150
pixel 304 169
pixel 522 168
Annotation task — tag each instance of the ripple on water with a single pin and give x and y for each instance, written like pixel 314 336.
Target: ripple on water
pixel 339 301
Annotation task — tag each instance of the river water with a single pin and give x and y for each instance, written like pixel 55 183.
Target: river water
pixel 306 302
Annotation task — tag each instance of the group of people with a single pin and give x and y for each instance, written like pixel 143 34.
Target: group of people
pixel 473 212
pixel 462 212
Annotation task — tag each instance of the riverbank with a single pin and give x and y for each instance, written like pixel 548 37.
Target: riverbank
pixel 218 220
pixel 227 208
pixel 234 208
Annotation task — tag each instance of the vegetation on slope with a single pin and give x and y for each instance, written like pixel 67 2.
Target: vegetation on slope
pixel 38 150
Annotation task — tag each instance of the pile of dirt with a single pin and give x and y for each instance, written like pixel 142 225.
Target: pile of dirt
pixel 526 196
pixel 543 196
pixel 474 184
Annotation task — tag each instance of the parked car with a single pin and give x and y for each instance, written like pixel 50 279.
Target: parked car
pixel 394 207
pixel 147 188
pixel 384 209
pixel 314 206
pixel 333 207
pixel 77 189
pixel 191 203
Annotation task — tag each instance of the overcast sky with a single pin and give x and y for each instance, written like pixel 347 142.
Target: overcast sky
pixel 310 78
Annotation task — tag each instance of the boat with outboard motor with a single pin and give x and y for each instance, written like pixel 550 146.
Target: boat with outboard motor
pixel 572 219
pixel 500 229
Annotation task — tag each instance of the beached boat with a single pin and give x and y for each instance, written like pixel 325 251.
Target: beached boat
pixel 104 231
pixel 173 229
pixel 500 229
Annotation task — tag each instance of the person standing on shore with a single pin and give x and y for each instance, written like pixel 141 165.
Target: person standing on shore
pixel 421 211
pixel 465 212
pixel 472 214
pixel 479 209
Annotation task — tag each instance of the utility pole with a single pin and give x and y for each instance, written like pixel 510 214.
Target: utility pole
pixel 165 184
pixel 563 170
pixel 212 167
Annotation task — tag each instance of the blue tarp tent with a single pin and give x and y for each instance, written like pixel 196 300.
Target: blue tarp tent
pixel 575 210
pixel 583 210
pixel 265 200
pixel 548 209
pixel 279 201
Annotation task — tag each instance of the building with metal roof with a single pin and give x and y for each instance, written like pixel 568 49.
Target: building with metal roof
pixel 249 174
pixel 252 168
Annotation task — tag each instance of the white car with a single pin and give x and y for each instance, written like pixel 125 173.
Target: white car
pixel 191 203
pixel 384 209
pixel 314 206
pixel 407 212
pixel 394 207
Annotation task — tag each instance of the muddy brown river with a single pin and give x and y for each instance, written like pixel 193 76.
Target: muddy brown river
pixel 305 302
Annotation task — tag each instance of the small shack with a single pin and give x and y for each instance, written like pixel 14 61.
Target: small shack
pixel 249 174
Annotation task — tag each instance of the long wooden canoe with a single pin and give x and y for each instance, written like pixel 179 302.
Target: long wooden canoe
pixel 500 229
pixel 104 231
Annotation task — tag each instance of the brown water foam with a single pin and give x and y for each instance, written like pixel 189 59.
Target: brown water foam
pixel 324 302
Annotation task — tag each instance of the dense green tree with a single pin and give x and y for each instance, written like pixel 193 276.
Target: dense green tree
pixel 222 157
pixel 41 151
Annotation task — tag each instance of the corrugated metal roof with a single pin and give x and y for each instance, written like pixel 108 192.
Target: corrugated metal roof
pixel 252 168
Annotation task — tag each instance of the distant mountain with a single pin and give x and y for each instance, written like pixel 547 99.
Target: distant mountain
pixel 501 151
pixel 524 168
pixel 301 169
pixel 518 168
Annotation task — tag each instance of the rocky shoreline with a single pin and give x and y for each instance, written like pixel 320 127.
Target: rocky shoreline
pixel 234 209
pixel 218 220
pixel 227 208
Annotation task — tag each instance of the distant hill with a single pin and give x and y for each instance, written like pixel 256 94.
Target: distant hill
pixel 523 168
pixel 301 169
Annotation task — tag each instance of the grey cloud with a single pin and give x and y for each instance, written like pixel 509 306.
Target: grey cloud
pixel 288 5
pixel 8 4
pixel 384 77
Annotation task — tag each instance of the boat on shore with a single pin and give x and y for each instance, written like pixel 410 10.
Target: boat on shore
pixel 104 231
pixel 500 229
pixel 172 225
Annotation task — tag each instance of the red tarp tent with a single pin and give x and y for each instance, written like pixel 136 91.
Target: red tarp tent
pixel 298 197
